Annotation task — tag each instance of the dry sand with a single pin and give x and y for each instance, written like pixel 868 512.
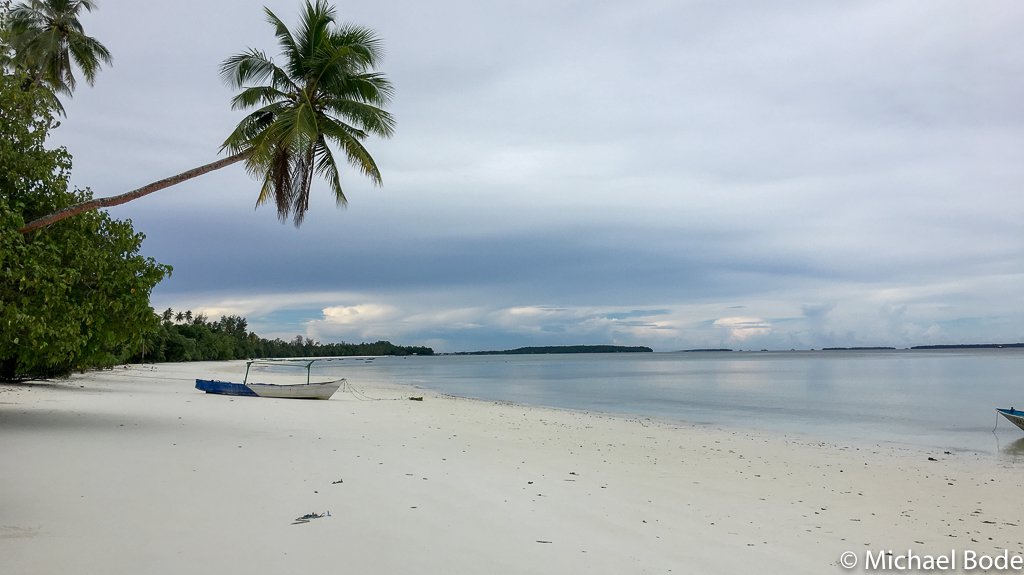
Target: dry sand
pixel 133 471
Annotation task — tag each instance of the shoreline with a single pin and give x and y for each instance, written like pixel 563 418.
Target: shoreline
pixel 887 448
pixel 882 407
pixel 134 470
pixel 796 437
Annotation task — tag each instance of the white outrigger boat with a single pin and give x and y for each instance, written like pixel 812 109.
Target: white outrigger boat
pixel 1015 416
pixel 308 390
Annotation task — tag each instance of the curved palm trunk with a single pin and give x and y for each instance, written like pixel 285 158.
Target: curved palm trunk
pixel 129 196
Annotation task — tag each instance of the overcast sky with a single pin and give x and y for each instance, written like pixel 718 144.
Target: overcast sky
pixel 676 174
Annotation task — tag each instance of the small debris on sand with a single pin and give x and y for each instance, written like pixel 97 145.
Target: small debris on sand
pixel 307 517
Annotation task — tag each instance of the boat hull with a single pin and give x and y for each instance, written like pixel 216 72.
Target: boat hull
pixel 1015 416
pixel 321 390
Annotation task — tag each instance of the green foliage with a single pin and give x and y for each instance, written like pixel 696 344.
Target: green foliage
pixel 73 296
pixel 47 38
pixel 178 339
pixel 324 91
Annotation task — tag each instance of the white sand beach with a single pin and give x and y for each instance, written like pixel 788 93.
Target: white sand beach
pixel 133 471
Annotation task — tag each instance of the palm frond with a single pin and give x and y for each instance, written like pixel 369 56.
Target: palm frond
pixel 249 66
pixel 278 183
pixel 327 168
pixel 89 55
pixel 350 51
pixel 371 87
pixel 314 29
pixel 284 36
pixel 303 168
pixel 348 139
pixel 306 127
pixel 251 129
pixel 369 118
pixel 257 95
pixel 371 47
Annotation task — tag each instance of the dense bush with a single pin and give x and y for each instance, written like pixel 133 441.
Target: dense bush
pixel 75 295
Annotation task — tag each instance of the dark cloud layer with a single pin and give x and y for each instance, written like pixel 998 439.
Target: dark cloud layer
pixel 673 174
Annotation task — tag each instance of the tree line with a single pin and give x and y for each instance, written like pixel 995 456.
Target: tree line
pixel 560 349
pixel 184 336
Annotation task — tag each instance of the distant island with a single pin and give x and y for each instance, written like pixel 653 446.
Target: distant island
pixel 970 346
pixel 563 349
pixel 885 347
pixel 549 349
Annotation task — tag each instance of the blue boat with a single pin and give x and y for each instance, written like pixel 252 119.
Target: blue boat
pixel 308 390
pixel 1015 416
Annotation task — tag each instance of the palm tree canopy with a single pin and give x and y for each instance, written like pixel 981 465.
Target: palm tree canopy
pixel 324 91
pixel 48 38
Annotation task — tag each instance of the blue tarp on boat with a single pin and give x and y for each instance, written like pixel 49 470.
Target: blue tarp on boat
pixel 223 387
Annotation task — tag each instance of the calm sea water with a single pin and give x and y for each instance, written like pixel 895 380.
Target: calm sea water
pixel 936 399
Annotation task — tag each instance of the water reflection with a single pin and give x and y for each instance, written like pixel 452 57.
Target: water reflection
pixel 936 399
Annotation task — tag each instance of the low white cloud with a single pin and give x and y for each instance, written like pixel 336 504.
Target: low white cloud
pixel 368 321
pixel 744 328
pixel 357 314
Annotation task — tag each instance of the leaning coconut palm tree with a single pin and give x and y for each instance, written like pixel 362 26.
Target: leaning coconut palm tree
pixel 324 92
pixel 48 42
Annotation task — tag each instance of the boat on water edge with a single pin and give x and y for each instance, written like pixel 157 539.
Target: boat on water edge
pixel 1015 416
pixel 308 390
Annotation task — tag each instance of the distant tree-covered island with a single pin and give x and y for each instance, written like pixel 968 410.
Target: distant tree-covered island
pixel 552 349
pixel 970 346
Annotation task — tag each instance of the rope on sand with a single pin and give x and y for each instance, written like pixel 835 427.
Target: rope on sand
pixel 348 387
